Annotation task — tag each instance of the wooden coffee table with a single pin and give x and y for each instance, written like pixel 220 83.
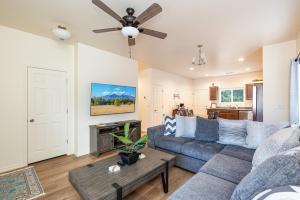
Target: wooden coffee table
pixel 95 182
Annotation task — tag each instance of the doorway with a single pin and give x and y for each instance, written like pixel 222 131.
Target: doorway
pixel 47 114
pixel 158 105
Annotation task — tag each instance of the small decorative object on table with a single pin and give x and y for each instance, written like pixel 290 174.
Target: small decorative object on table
pixel 114 168
pixel 129 150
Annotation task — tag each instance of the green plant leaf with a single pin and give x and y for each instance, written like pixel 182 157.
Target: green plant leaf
pixel 125 149
pixel 126 129
pixel 123 139
pixel 138 147
pixel 133 130
pixel 143 140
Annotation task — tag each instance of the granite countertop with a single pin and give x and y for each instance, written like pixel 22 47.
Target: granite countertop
pixel 231 108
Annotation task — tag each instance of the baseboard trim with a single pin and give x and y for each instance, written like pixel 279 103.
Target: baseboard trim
pixel 12 167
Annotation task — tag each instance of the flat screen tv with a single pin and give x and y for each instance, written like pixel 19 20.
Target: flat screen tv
pixel 112 99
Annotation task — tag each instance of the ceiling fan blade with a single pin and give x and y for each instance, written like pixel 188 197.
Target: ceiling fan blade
pixel 131 41
pixel 153 33
pixel 106 30
pixel 150 12
pixel 109 11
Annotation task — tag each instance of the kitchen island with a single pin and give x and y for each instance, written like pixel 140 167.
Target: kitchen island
pixel 240 113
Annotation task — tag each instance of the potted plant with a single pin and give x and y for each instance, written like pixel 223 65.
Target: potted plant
pixel 129 150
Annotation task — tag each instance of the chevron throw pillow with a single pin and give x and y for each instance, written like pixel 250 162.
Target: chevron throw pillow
pixel 170 125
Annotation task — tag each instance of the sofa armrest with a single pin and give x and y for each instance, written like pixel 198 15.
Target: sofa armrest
pixel 152 132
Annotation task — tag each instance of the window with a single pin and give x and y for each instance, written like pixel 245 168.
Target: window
pixel 232 95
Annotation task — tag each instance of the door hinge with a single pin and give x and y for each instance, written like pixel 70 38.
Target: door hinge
pixel 67 141
pixel 67 81
pixel 67 110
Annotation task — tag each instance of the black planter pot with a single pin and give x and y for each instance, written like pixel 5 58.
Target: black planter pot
pixel 129 159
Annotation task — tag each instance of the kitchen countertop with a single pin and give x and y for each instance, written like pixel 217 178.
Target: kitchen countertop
pixel 230 108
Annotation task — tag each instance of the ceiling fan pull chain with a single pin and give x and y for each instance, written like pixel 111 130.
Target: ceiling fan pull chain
pixel 130 56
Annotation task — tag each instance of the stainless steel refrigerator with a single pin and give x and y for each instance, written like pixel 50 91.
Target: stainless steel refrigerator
pixel 257 102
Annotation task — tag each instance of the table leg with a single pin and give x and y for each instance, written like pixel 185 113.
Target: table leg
pixel 119 190
pixel 165 177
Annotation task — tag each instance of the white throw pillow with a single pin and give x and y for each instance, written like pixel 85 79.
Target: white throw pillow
pixel 185 126
pixel 281 141
pixel 232 132
pixel 258 132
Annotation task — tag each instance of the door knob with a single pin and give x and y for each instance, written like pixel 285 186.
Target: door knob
pixel 31 120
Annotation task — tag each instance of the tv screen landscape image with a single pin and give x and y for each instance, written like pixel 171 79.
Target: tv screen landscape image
pixel 112 99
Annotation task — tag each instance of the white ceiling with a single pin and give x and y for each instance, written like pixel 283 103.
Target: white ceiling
pixel 229 29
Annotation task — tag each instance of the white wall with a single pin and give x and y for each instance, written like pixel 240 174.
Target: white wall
pixel 298 43
pixel 19 50
pixel 276 66
pixel 171 83
pixel 98 66
pixel 232 81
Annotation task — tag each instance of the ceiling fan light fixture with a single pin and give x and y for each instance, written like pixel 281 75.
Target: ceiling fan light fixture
pixel 129 31
pixel 61 32
pixel 201 59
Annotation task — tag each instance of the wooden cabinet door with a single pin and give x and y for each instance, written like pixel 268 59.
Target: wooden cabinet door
pixel 105 142
pixel 213 93
pixel 249 91
pixel 229 114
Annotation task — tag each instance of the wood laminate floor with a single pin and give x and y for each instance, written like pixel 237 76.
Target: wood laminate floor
pixel 53 175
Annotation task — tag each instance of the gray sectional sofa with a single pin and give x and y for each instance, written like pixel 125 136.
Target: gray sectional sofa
pixel 219 168
pixel 193 154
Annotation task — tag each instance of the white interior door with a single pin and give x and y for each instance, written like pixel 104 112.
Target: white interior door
pixel 201 102
pixel 158 105
pixel 47 114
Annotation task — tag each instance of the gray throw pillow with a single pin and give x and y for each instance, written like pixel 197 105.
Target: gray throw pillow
pixel 288 192
pixel 207 130
pixel 258 132
pixel 185 126
pixel 232 132
pixel 293 152
pixel 276 171
pixel 280 141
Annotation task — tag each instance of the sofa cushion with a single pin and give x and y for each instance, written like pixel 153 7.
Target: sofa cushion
pixel 207 130
pixel 279 142
pixel 238 152
pixel 276 171
pixel 258 132
pixel 153 132
pixel 201 150
pixel 171 143
pixel 232 131
pixel 185 126
pixel 228 168
pixel 204 187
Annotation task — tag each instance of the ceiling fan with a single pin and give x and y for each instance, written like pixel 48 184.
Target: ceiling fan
pixel 130 24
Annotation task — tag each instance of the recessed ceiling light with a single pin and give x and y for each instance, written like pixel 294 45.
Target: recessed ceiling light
pixel 248 69
pixel 206 75
pixel 191 68
pixel 241 59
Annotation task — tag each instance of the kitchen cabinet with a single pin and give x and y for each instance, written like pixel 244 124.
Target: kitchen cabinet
pixel 213 93
pixel 249 91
